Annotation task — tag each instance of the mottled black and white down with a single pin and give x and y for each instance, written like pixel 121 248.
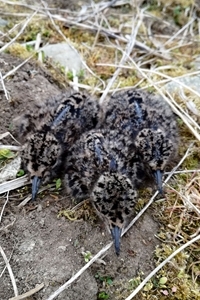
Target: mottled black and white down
pixel 47 130
pixel 149 123
pixel 98 167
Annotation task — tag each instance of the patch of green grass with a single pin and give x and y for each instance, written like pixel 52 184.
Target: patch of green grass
pixel 20 173
pixel 103 295
pixel 106 279
pixel 58 183
pixel 6 154
pixel 87 256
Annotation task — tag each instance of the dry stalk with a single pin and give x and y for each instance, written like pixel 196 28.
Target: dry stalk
pixel 103 250
pixel 11 72
pixel 135 27
pixel 8 260
pixel 84 86
pixel 4 88
pixel 186 201
pixel 96 9
pixel 190 119
pixel 75 21
pixel 79 273
pixel 29 293
pixel 184 172
pixel 19 33
pixel 7 198
pixel 14 184
pixel 169 78
pixel 108 33
pixel 13 28
pixel 142 284
pixel 184 116
pixel 179 32
pixel 10 272
pixel 10 147
pixel 174 79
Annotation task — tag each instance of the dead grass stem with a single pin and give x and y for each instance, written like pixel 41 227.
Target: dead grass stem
pixel 10 271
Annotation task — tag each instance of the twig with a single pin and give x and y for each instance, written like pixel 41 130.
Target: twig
pixel 185 117
pixel 10 272
pixel 10 147
pixel 108 33
pixel 105 32
pixel 180 31
pixel 1 215
pixel 184 171
pixel 142 284
pixel 29 293
pixel 100 253
pixel 17 67
pixel 4 88
pixel 174 79
pixel 19 33
pixel 7 33
pixel 9 257
pixel 13 184
pixel 99 7
pixel 81 271
pixel 5 134
pixel 135 27
pixel 187 201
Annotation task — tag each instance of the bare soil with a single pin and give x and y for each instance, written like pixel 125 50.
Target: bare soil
pixel 43 248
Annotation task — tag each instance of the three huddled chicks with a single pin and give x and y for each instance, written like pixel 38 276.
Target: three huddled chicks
pixel 104 151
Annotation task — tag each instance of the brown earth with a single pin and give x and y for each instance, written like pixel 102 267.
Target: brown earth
pixel 43 248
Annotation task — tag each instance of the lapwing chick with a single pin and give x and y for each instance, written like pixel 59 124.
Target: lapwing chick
pixel 42 154
pixel 156 151
pixel 114 198
pixel 86 160
pixel 150 123
pixel 96 168
pixel 48 130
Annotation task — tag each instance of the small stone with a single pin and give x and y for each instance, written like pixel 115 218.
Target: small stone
pixel 62 248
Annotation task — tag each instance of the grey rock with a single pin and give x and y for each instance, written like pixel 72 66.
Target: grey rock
pixel 65 55
pixel 3 22
pixel 191 81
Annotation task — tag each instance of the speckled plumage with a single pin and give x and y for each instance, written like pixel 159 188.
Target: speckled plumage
pixel 114 198
pixel 97 167
pixel 48 130
pixel 147 121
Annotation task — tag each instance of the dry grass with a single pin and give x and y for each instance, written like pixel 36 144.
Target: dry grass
pixel 120 49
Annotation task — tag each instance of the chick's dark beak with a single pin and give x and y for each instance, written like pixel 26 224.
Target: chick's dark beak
pixel 35 186
pixel 116 234
pixel 158 176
